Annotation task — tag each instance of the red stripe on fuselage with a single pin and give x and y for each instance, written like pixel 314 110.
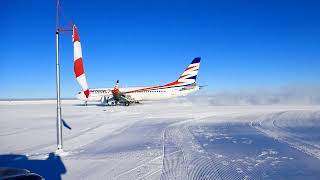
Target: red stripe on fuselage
pixel 172 84
pixel 155 87
pixel 78 67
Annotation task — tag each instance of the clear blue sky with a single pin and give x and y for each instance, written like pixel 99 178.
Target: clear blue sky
pixel 243 43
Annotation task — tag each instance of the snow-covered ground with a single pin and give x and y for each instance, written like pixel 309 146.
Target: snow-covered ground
pixel 176 139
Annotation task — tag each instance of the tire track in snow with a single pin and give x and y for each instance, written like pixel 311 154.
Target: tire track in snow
pixel 129 173
pixel 242 168
pixel 222 171
pixel 173 166
pixel 268 125
pixel 201 164
pixel 193 162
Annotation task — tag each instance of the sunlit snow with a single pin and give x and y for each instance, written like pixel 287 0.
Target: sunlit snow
pixel 175 139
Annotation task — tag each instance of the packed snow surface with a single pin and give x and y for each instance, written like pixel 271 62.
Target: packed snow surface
pixel 176 139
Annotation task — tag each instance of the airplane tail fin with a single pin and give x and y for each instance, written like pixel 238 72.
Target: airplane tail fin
pixel 78 63
pixel 189 76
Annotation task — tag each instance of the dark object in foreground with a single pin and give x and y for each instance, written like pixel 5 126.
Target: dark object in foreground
pixel 50 168
pixel 7 173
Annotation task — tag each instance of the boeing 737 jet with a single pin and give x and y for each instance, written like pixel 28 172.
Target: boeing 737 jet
pixel 184 85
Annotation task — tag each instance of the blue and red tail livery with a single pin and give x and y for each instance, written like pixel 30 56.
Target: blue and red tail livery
pixel 189 76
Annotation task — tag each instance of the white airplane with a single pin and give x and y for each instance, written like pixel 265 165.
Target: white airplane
pixel 184 85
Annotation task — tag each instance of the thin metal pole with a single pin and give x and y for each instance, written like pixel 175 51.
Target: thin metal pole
pixel 59 123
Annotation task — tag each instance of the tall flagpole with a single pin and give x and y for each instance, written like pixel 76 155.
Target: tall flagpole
pixel 59 122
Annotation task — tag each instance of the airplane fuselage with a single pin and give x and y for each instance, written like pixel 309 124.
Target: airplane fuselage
pixel 138 93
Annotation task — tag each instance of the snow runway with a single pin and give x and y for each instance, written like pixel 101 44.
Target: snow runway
pixel 175 139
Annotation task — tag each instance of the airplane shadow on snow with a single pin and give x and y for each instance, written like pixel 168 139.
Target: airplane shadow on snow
pixel 97 104
pixel 50 168
pixel 106 105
